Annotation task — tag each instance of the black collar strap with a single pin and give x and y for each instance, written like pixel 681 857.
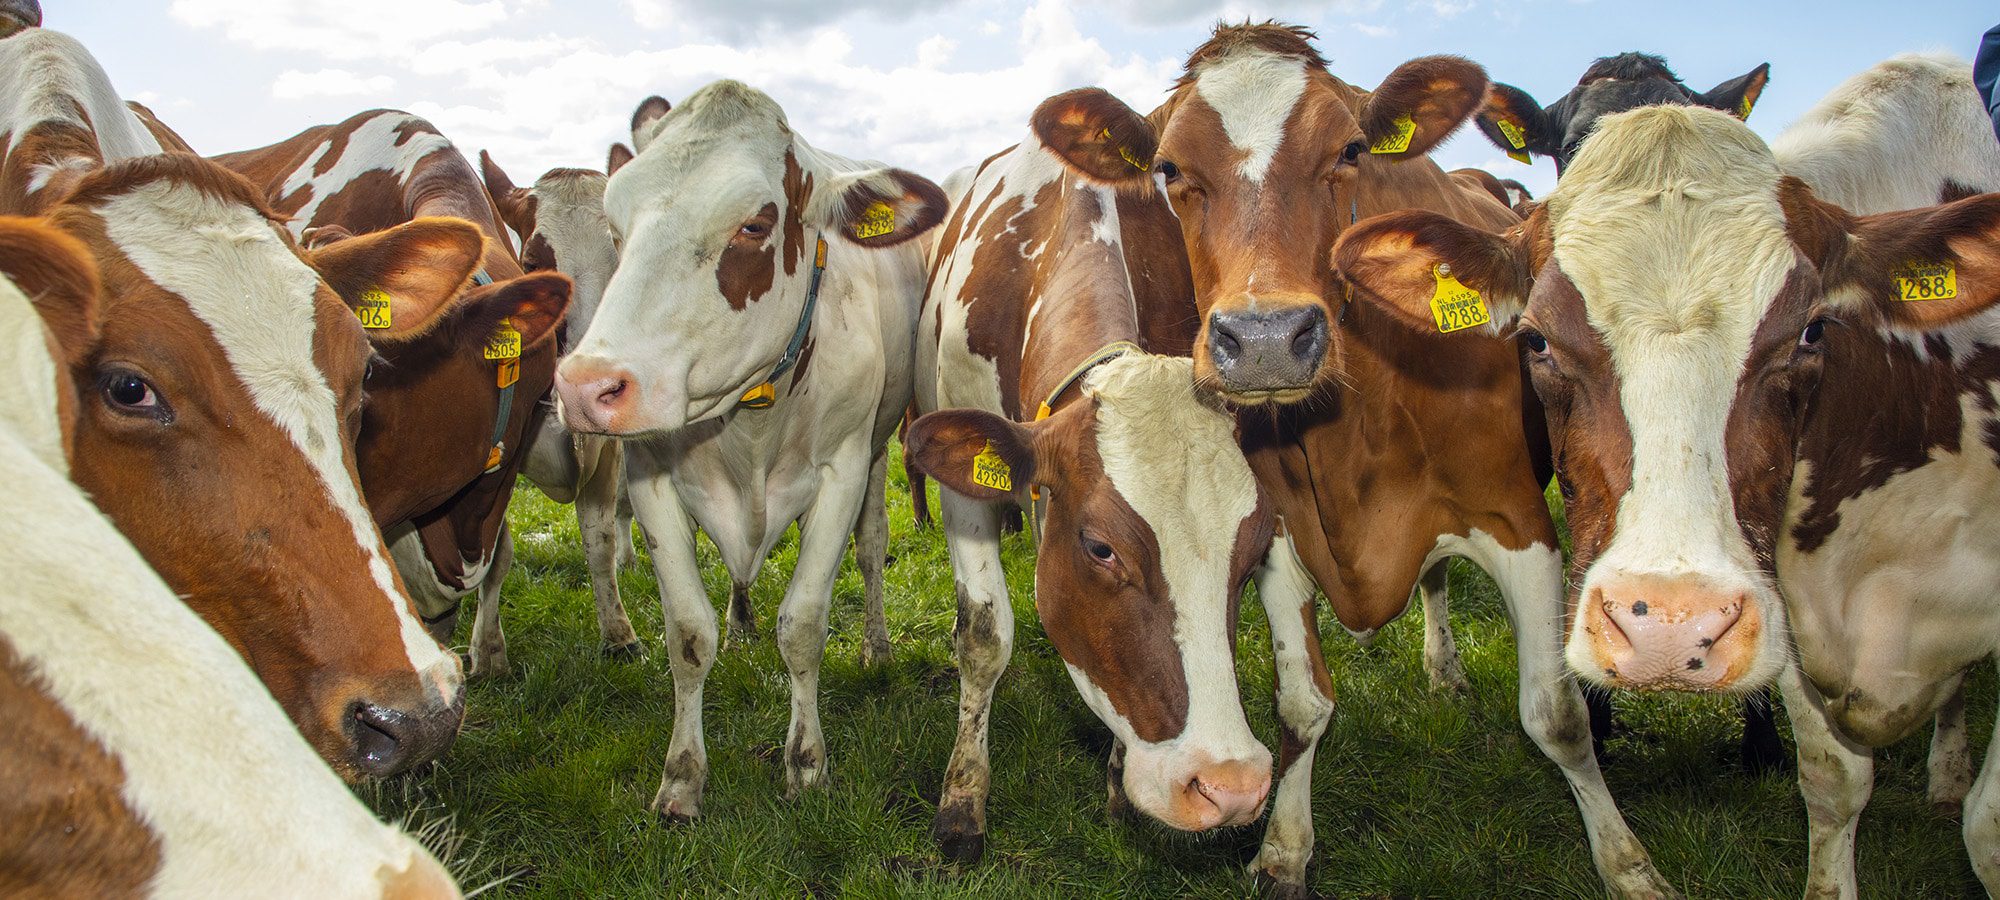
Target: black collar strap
pixel 765 392
pixel 1104 354
pixel 509 373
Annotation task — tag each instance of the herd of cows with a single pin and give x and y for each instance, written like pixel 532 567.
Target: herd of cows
pixel 267 409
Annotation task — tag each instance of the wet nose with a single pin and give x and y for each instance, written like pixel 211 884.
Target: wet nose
pixel 1673 633
pixel 1228 793
pixel 388 741
pixel 596 394
pixel 1268 350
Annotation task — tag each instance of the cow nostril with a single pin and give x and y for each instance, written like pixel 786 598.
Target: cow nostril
pixel 376 735
pixel 1305 340
pixel 609 396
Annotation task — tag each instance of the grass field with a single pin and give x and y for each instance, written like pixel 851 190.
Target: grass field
pixel 1416 793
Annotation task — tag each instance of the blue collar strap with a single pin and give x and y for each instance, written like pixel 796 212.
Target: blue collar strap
pixel 766 391
pixel 481 279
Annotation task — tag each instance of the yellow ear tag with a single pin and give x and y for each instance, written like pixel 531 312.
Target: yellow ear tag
pixel 1520 157
pixel 1131 159
pixel 1921 280
pixel 759 397
pixel 504 342
pixel 877 220
pixel 1406 128
pixel 510 372
pixel 990 471
pixel 1512 133
pixel 1743 110
pixel 1455 306
pixel 373 310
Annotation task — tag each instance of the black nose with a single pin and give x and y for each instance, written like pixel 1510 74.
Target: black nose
pixel 388 741
pixel 1268 351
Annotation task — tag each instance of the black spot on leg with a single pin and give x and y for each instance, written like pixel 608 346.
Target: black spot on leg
pixel 1705 643
pixel 1694 664
pixel 1639 608
pixel 688 651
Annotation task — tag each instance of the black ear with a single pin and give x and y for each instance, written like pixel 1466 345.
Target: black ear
pixel 1516 124
pixel 1737 95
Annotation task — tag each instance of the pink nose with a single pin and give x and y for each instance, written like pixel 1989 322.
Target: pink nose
pixel 1227 793
pixel 1675 633
pixel 597 396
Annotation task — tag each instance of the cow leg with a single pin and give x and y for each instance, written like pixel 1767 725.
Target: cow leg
pixel 1982 809
pixel 1305 708
pixel 489 645
pixel 1951 753
pixel 597 519
pixel 1762 750
pixel 1116 804
pixel 801 631
pixel 871 550
pixel 1553 713
pixel 984 639
pixel 689 632
pixel 1836 776
pixel 742 616
pixel 1440 651
pixel 627 556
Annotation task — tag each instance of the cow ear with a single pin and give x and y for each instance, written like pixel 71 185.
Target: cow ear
pixel 644 120
pixel 1516 124
pixel 1420 104
pixel 879 208
pixel 973 452
pixel 1097 135
pixel 1737 95
pixel 534 304
pixel 1916 269
pixel 619 156
pixel 1408 263
pixel 59 277
pixel 516 205
pixel 403 278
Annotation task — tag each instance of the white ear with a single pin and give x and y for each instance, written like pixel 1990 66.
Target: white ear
pixel 877 208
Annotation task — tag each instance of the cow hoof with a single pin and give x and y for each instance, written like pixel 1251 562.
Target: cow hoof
pixel 960 840
pixel 1274 889
pixel 799 781
pixel 1948 809
pixel 627 652
pixel 1450 680
pixel 491 664
pixel 741 635
pixel 672 815
pixel 876 653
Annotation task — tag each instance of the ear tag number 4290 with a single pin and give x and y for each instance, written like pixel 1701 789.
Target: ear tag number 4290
pixel 1923 280
pixel 1455 306
pixel 990 471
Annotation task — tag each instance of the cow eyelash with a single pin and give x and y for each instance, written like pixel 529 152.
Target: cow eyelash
pixel 1100 552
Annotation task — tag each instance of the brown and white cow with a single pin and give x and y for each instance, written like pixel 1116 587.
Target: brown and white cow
pixel 1756 393
pixel 218 405
pixel 1381 461
pixel 125 710
pixel 1031 369
pixel 754 347
pixel 447 418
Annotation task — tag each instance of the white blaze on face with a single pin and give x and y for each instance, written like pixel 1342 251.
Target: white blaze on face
pixel 378 131
pixel 1173 457
pixel 1254 94
pixel 259 299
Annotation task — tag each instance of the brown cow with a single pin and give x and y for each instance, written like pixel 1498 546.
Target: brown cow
pixel 437 458
pixel 1513 194
pixel 124 710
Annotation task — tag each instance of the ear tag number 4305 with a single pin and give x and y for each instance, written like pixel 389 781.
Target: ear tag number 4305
pixel 1923 280
pixel 1455 306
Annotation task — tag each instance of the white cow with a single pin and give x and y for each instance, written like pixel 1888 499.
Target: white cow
pixel 755 345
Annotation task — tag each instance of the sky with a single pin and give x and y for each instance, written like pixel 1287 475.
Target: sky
pixel 929 85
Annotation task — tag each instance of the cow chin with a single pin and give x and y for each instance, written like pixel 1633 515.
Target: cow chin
pixel 1192 790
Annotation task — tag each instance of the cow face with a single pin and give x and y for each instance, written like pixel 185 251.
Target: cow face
pixel 216 416
pixel 1514 122
pixel 1153 522
pixel 563 229
pixel 1687 302
pixel 1261 152
pixel 718 219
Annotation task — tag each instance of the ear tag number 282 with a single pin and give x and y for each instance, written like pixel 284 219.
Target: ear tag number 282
pixel 1399 140
pixel 990 471
pixel 1923 280
pixel 1455 306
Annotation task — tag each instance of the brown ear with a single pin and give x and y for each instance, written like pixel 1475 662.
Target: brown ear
pixel 516 205
pixel 1516 124
pixel 59 276
pixel 321 235
pixel 1097 135
pixel 1738 95
pixel 619 156
pixel 973 452
pixel 534 304
pixel 1420 104
pixel 1393 261
pixel 651 110
pixel 1916 269
pixel 419 267
pixel 881 208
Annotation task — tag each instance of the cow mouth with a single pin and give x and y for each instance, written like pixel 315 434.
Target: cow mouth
pixel 1266 397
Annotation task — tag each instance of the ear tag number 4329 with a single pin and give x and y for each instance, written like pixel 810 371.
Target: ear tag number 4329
pixel 373 310
pixel 1455 306
pixel 1923 280
pixel 990 471
pixel 1399 140
pixel 877 220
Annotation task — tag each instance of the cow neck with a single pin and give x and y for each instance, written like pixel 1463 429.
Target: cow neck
pixel 765 392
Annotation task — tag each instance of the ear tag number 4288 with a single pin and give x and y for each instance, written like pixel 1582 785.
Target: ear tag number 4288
pixel 1455 306
pixel 1923 280
pixel 990 471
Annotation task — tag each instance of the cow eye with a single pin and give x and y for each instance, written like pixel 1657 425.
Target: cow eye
pixel 129 393
pixel 755 231
pixel 1170 171
pixel 1352 154
pixel 1098 550
pixel 1537 344
pixel 1815 332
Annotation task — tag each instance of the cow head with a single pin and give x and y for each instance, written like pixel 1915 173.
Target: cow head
pixel 1514 122
pixel 216 415
pixel 1262 150
pixel 1680 301
pixel 563 229
pixel 1154 521
pixel 717 220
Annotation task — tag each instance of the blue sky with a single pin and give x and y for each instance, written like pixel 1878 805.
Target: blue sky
pixel 927 84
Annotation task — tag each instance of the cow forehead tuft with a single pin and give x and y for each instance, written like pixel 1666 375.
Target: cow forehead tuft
pixel 1169 447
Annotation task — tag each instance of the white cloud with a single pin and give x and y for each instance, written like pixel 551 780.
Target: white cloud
pixel 294 84
pixel 935 51
pixel 1373 31
pixel 346 29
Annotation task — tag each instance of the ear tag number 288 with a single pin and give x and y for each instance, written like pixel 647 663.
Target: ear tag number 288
pixel 1455 306
pixel 1924 280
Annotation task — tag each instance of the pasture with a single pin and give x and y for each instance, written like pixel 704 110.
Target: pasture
pixel 1417 793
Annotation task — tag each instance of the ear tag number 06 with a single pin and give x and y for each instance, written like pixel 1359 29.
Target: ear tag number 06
pixel 990 471
pixel 1455 306
pixel 1923 280
pixel 373 310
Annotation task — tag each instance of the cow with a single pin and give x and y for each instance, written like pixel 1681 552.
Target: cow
pixel 1774 419
pixel 754 348
pixel 1511 193
pixel 218 405
pixel 449 415
pixel 1380 463
pixel 1053 377
pixel 1524 129
pixel 124 709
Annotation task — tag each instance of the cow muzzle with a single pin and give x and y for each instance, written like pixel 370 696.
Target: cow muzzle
pixel 388 741
pixel 1196 791
pixel 1272 354
pixel 1681 632
pixel 596 395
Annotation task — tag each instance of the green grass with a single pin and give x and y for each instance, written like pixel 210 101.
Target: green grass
pixel 1415 793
